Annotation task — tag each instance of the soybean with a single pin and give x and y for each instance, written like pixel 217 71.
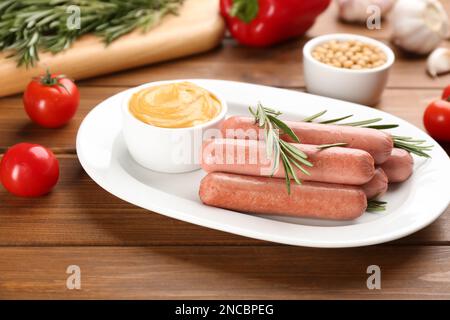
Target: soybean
pixel 351 54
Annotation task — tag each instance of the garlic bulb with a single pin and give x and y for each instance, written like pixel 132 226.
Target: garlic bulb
pixel 419 25
pixel 439 62
pixel 357 10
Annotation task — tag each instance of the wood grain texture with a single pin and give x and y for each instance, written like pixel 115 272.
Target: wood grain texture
pixel 15 126
pixel 79 212
pixel 281 66
pixel 225 272
pixel 198 27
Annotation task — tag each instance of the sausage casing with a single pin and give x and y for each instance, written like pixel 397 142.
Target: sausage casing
pixel 249 157
pixel 262 195
pixel 399 166
pixel 377 186
pixel 378 143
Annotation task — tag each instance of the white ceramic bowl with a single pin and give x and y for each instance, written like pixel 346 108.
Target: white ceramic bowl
pixel 361 86
pixel 169 150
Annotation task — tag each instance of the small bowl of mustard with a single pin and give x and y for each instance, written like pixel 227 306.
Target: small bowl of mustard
pixel 165 123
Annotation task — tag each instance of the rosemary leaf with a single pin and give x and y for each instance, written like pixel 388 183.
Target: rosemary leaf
pixel 414 148
pixel 295 163
pixel 288 164
pixel 336 120
pixel 271 111
pixel 286 177
pixel 315 116
pixel 361 123
pixel 297 152
pixel 326 146
pixel 295 157
pixel 284 128
pixel 382 126
pixel 270 140
pixel 276 157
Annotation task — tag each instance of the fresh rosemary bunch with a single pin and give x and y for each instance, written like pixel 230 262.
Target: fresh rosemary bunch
pixel 409 144
pixel 276 148
pixel 29 26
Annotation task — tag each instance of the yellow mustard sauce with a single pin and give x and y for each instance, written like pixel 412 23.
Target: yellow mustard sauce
pixel 174 105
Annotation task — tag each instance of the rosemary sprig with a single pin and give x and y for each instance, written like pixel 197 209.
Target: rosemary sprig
pixel 376 206
pixel 277 149
pixel 30 26
pixel 409 144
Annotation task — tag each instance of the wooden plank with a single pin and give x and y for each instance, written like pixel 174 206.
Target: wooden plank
pixel 196 28
pixel 279 66
pixel 224 273
pixel 16 127
pixel 79 212
pixel 101 226
pixel 329 22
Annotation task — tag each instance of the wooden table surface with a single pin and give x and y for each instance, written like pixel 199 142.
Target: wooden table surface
pixel 127 252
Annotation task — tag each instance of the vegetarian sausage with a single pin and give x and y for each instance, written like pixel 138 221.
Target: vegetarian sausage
pixel 378 143
pixel 249 157
pixel 376 187
pixel 399 166
pixel 269 196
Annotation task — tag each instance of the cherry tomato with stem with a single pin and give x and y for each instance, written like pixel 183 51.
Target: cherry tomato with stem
pixel 51 100
pixel 29 170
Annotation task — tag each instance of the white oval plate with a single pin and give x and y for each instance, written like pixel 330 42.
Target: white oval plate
pixel 411 205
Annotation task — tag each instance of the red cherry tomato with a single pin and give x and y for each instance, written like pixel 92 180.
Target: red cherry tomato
pixel 446 93
pixel 29 170
pixel 437 120
pixel 51 100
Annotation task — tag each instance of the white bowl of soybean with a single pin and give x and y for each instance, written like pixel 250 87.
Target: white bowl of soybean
pixel 364 86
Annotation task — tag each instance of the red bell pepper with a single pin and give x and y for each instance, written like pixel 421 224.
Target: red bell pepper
pixel 266 22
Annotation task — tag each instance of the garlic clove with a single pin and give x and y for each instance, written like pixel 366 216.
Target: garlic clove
pixel 419 25
pixel 439 62
pixel 357 10
pixel 412 37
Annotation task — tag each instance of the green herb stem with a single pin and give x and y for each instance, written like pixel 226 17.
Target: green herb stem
pixel 409 144
pixel 330 145
pixel 277 149
pixel 376 206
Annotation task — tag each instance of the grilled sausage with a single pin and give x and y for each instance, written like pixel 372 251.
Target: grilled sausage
pixel 399 166
pixel 249 157
pixel 264 195
pixel 376 187
pixel 379 144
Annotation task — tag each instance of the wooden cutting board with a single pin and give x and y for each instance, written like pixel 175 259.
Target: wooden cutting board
pixel 198 27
